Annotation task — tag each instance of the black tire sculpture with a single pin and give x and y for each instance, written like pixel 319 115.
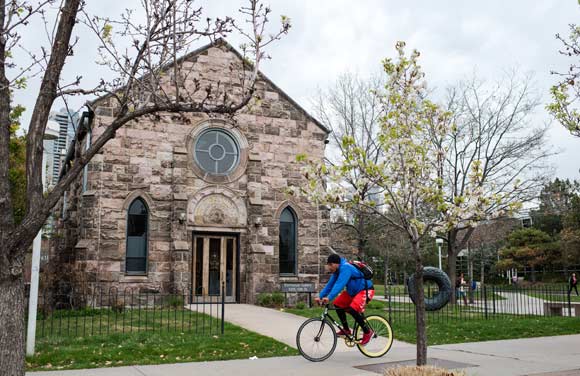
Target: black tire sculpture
pixel 441 298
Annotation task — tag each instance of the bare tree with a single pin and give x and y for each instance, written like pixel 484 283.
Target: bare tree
pixel 493 132
pixel 352 108
pixel 146 78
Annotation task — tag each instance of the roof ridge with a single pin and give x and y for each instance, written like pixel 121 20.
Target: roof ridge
pixel 222 41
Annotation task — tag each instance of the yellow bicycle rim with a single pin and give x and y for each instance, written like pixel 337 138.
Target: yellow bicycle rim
pixel 377 346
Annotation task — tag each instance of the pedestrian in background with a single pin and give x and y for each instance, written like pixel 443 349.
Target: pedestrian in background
pixel 460 288
pixel 573 284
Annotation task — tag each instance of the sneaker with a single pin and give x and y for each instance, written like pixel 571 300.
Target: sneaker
pixel 342 333
pixel 366 338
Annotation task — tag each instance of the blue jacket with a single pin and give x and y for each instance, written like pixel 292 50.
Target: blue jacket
pixel 346 275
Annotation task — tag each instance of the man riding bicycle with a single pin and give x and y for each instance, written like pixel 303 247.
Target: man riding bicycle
pixel 358 293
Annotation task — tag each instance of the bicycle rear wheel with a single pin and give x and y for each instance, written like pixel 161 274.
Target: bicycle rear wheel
pixel 382 340
pixel 316 339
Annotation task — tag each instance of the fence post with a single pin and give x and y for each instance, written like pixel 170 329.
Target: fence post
pixel 389 301
pixel 569 304
pixel 223 305
pixel 485 300
pixel 493 297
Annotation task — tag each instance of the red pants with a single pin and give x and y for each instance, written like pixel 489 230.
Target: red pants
pixel 357 302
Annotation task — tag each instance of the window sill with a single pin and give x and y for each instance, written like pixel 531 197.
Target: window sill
pixel 289 278
pixel 135 277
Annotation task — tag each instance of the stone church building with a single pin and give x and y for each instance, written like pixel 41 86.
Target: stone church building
pixel 172 204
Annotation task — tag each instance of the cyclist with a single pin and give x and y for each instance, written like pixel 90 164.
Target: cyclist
pixel 358 293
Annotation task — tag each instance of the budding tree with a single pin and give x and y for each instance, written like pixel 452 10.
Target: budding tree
pixel 566 93
pixel 408 171
pixel 493 135
pixel 144 77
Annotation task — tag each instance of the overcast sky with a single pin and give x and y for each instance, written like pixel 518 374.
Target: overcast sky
pixel 455 38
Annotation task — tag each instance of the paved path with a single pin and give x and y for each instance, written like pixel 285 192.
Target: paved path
pixel 281 326
pixel 510 357
pixel 513 303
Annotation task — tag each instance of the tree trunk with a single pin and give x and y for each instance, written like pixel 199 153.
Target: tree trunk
pixel 452 261
pixel 361 236
pixel 12 304
pixel 482 269
pixel 471 274
pixel 454 245
pixel 420 316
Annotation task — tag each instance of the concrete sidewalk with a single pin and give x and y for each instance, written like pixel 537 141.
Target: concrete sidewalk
pixel 509 357
pixel 281 326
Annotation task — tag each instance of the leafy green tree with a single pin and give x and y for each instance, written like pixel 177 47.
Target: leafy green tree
pixel 570 235
pixel 526 248
pixel 555 201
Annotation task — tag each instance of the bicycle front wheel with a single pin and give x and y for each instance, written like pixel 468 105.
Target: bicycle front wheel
pixel 316 339
pixel 382 339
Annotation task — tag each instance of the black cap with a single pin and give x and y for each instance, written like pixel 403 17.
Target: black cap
pixel 333 259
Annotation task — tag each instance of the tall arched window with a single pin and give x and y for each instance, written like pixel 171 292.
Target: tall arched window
pixel 288 241
pixel 137 230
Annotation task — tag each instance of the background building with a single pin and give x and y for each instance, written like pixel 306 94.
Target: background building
pixel 67 125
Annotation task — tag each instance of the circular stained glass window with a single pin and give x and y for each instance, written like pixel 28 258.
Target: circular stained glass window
pixel 217 152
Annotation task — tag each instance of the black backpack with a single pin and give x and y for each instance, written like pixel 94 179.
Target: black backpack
pixel 364 268
pixel 367 273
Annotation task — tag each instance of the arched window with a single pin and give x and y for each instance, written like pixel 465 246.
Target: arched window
pixel 137 230
pixel 288 242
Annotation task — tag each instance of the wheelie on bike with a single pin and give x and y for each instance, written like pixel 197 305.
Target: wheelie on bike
pixel 317 337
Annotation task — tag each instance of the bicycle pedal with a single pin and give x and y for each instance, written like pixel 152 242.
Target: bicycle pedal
pixel 349 342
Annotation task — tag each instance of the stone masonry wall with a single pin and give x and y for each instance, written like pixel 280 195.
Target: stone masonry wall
pixel 152 159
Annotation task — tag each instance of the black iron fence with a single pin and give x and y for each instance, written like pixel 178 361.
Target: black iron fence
pixel 97 310
pixel 492 302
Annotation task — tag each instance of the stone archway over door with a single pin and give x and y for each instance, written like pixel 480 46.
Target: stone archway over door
pixel 214 266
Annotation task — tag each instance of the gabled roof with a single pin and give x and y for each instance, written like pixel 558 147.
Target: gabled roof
pixel 261 76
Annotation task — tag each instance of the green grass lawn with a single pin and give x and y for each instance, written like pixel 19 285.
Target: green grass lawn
pixel 458 325
pixel 163 341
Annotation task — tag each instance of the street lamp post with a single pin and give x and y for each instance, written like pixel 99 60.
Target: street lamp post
pixel 439 241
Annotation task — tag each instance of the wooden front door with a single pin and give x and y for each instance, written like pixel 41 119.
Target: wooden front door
pixel 214 265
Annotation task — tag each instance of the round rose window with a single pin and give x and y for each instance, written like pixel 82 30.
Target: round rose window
pixel 216 152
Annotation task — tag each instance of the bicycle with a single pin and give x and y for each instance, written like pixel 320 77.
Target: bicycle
pixel 318 335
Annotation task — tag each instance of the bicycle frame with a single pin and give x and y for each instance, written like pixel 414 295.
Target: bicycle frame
pixel 378 324
pixel 326 314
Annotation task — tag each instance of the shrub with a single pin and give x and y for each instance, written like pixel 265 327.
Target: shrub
pixel 300 305
pixel 422 371
pixel 264 299
pixel 117 305
pixel 273 300
pixel 175 301
pixel 278 299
